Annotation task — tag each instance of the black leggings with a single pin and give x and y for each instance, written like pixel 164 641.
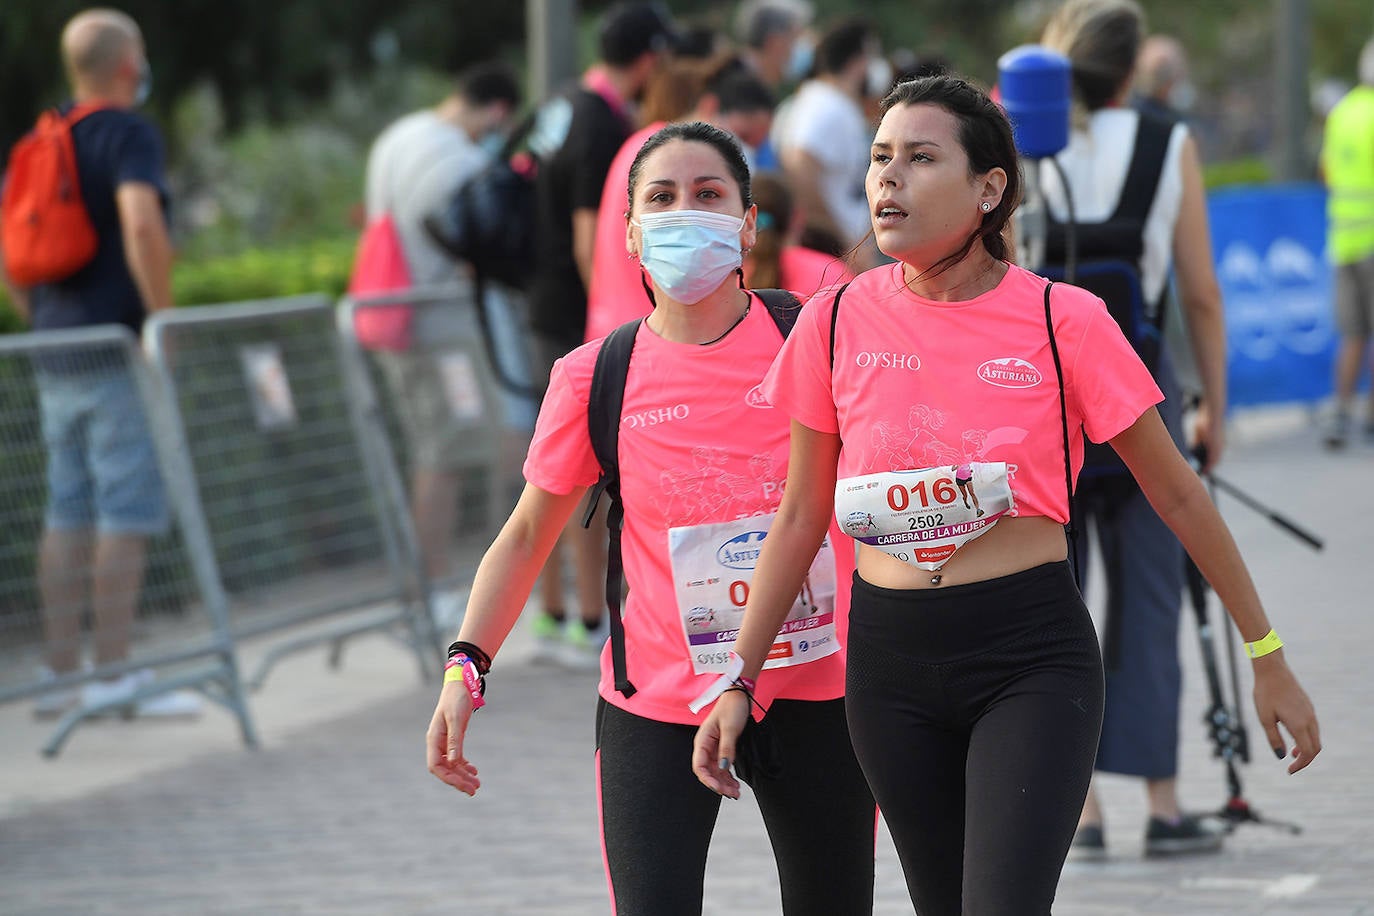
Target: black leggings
pixel 657 819
pixel 975 712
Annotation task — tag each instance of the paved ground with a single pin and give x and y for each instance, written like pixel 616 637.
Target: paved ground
pixel 336 813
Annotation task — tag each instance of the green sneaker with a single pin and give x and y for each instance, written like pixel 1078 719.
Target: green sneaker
pixel 581 647
pixel 548 637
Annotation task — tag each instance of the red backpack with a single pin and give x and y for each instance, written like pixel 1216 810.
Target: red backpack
pixel 45 230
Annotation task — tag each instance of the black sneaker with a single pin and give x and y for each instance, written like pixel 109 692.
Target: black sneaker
pixel 1192 833
pixel 1089 844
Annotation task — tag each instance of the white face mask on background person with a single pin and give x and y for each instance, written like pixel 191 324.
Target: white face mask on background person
pixel 800 60
pixel 689 253
pixel 145 85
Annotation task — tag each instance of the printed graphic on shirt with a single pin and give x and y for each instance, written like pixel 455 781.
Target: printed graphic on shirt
pixel 713 566
pixel 706 490
pixel 923 443
pixel 923 516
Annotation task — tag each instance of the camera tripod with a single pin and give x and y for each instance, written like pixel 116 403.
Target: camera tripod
pixel 1225 724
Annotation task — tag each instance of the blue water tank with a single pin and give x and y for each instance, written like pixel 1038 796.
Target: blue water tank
pixel 1035 85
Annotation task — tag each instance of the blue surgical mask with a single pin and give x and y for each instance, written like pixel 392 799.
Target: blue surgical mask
pixel 145 85
pixel 689 253
pixel 492 142
pixel 800 60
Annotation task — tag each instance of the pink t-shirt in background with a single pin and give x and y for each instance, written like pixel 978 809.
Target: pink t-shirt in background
pixel 617 294
pixel 697 445
pixel 919 383
pixel 805 271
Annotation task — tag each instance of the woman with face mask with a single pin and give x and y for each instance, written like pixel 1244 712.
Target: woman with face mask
pixel 702 463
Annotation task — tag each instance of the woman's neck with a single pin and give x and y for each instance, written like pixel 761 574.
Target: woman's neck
pixel 969 278
pixel 703 322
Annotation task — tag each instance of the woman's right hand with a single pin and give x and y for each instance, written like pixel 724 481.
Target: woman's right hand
pixel 444 740
pixel 713 749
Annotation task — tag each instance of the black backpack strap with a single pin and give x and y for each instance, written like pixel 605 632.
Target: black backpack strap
pixel 834 322
pixel 783 306
pixel 603 422
pixel 1147 165
pixel 1064 420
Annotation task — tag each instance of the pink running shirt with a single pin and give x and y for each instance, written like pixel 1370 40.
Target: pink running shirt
pixel 697 444
pixel 919 383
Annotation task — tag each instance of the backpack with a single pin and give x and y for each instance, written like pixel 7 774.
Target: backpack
pixel 603 421
pixel 489 222
pixel 1106 258
pixel 379 267
pixel 45 231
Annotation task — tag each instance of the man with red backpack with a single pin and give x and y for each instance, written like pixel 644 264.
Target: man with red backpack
pixel 85 242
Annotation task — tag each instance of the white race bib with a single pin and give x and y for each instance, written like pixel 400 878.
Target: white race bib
pixel 922 516
pixel 713 566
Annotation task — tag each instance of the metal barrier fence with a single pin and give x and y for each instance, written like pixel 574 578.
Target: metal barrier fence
pixel 296 505
pixel 93 524
pixel 446 389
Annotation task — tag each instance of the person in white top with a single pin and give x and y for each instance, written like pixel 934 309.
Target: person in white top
pixel 1144 562
pixel 413 169
pixel 822 139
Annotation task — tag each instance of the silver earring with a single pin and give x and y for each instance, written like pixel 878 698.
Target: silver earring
pixel 986 206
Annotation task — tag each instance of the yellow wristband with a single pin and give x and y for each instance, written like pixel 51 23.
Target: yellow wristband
pixel 1261 647
pixel 456 673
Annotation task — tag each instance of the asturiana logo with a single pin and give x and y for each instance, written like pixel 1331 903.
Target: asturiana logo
pixel 1010 372
pixel 755 398
pixel 741 551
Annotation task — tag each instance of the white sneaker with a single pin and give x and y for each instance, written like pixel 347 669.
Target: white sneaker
pixel 55 702
pixel 447 608
pixel 117 696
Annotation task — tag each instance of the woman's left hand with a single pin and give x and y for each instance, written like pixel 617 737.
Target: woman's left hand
pixel 1279 698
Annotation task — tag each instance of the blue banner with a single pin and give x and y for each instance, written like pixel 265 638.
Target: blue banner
pixel 1276 285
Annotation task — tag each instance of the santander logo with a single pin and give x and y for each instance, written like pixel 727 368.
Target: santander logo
pixel 755 398
pixel 1010 372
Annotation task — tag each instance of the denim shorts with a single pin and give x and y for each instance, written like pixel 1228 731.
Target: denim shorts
pixel 102 464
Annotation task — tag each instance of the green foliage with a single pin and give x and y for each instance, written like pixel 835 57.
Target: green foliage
pixel 263 57
pixel 1249 171
pixel 321 266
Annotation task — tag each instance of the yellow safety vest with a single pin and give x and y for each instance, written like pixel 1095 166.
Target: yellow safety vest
pixel 1348 165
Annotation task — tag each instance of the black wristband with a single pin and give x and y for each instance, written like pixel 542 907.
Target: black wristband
pixel 479 658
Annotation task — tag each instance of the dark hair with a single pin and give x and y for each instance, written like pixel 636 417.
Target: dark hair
pixel 741 90
pixel 841 44
pixel 985 135
pixel 493 81
pixel 695 132
pixel 630 30
pixel 774 200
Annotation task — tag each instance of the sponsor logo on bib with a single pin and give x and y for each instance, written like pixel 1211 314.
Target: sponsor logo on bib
pixel 755 398
pixel 741 551
pixel 859 522
pixel 885 360
pixel 1010 372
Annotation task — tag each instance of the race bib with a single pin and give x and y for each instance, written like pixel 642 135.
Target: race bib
pixel 923 516
pixel 713 566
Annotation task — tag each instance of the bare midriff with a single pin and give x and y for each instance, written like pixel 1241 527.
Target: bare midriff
pixel 1013 545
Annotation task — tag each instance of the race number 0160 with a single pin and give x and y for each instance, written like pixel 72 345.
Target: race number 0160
pixel 899 498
